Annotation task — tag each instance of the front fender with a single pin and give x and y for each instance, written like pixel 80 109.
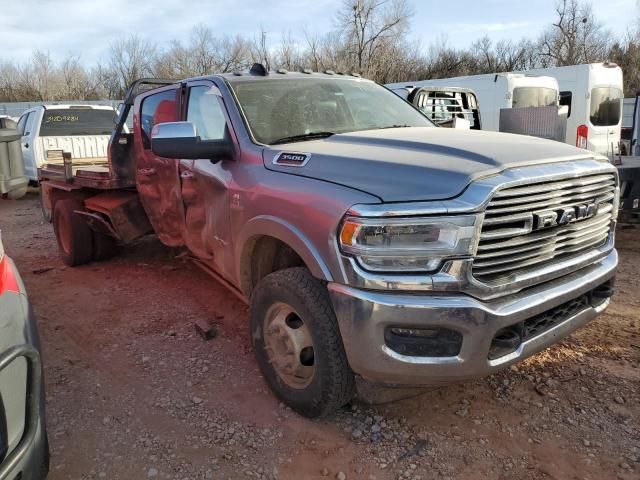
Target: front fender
pixel 267 225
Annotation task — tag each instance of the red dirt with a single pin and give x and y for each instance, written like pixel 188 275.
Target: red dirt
pixel 134 392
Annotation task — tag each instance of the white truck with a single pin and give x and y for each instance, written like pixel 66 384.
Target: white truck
pixel 83 131
pixel 496 92
pixel 593 93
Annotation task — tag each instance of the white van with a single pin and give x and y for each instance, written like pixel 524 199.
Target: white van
pixel 81 130
pixel 593 93
pixel 497 91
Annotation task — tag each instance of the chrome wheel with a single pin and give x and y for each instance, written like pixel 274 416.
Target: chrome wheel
pixel 289 346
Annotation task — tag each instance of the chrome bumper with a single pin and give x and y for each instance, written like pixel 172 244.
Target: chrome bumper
pixel 363 317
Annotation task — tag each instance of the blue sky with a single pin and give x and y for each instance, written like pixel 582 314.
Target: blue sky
pixel 86 27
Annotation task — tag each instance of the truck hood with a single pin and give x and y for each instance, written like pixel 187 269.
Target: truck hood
pixel 418 163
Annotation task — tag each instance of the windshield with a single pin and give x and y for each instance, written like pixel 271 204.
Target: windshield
pixel 606 106
pixel 534 97
pixel 76 121
pixel 277 110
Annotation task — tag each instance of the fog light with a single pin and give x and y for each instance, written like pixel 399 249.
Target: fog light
pixel 424 342
pixel 506 340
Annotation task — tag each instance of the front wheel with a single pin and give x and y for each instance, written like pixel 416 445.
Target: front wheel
pixel 297 343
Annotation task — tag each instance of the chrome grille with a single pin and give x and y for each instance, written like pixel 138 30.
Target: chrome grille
pixel 510 241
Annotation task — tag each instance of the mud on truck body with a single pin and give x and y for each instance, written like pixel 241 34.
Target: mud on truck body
pixel 369 243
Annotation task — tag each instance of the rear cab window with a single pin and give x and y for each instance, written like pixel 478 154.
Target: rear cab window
pixel 157 108
pixel 59 122
pixel 534 97
pixel 606 106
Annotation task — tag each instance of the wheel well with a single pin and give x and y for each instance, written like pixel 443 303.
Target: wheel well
pixel 265 255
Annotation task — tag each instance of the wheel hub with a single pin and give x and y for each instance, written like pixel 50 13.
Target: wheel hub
pixel 289 346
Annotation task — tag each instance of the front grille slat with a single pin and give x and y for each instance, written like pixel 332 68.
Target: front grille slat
pixel 509 242
pixel 601 196
pixel 590 225
pixel 592 189
pixel 544 186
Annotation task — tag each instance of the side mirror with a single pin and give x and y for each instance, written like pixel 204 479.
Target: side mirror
pixel 180 140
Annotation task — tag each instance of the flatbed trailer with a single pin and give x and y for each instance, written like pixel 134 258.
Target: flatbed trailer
pixel 103 191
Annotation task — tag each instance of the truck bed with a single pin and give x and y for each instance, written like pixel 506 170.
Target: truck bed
pixel 80 146
pixel 90 172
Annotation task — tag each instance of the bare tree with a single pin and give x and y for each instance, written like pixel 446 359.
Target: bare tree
pixel 288 54
pixel 234 53
pixel 203 50
pixel 77 83
pixel 107 82
pixel 203 55
pixel 371 37
pixel 368 26
pixel 40 76
pixel 10 85
pixel 575 37
pixel 176 62
pixel 626 53
pixel 260 50
pixel 131 58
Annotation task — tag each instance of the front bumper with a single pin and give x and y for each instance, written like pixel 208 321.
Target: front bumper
pixel 364 316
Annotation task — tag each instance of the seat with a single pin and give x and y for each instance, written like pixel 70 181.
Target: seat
pixel 166 112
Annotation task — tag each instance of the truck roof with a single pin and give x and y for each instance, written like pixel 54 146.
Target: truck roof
pixel 67 106
pixel 277 74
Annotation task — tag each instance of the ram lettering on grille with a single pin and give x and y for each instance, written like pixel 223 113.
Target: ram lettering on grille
pixel 528 226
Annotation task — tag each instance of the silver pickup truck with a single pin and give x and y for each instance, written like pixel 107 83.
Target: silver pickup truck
pixel 368 242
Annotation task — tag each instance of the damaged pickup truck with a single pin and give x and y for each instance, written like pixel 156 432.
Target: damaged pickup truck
pixel 369 243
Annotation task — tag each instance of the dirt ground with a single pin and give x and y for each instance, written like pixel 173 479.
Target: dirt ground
pixel 133 392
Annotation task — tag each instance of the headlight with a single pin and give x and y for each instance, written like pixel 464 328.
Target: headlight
pixel 407 244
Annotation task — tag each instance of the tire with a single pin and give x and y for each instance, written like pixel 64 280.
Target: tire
pixel 105 247
pixel 75 238
pixel 332 383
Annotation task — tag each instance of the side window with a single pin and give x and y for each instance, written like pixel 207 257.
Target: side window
pixel 565 100
pixel 158 108
pixel 204 110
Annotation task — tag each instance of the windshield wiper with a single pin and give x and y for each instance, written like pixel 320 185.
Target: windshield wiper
pixel 302 137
